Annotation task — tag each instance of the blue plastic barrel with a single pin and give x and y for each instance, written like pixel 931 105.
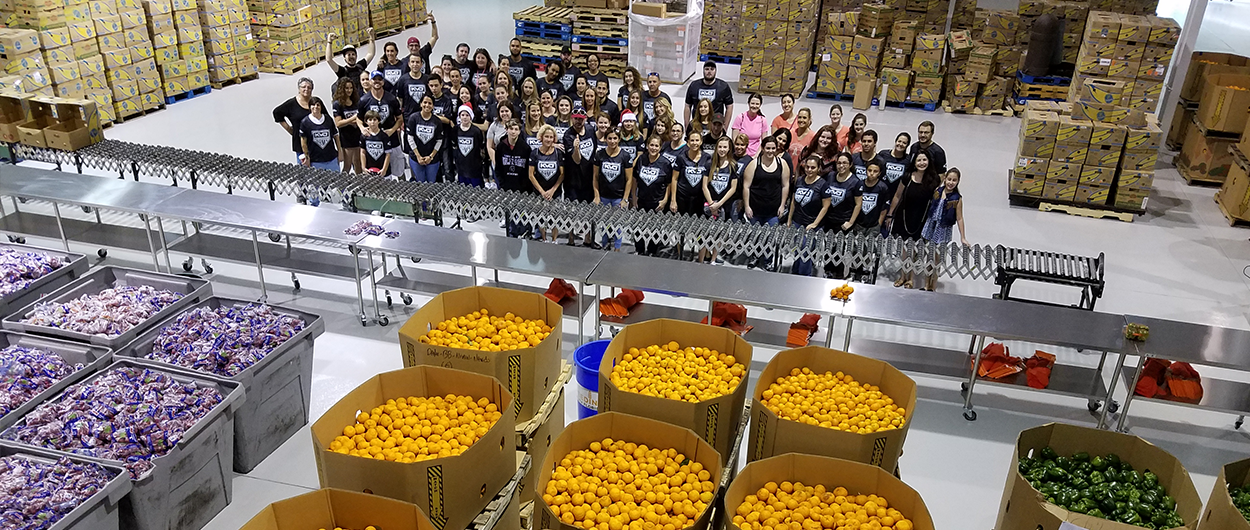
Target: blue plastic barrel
pixel 587 357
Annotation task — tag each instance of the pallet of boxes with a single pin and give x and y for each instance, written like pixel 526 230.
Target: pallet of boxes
pixel 1233 198
pixel 356 23
pixel 129 61
pixel 48 121
pixel 667 46
pixel 1201 65
pixel 285 41
pixel 1132 48
pixel 228 42
pixel 777 43
pixel 833 53
pixel 23 66
pixel 605 32
pixel 720 38
pixel 1093 157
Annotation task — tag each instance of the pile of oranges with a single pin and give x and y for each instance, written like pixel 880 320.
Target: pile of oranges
pixel 482 331
pixel 671 372
pixel 796 505
pixel 617 485
pixel 418 428
pixel 842 293
pixel 834 401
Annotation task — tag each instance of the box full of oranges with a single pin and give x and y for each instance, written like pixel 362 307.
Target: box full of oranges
pixel 687 374
pixel 814 492
pixel 616 471
pixel 339 509
pixel 513 336
pixel 436 437
pixel 826 402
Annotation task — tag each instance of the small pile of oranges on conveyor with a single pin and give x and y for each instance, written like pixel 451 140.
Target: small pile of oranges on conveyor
pixel 842 293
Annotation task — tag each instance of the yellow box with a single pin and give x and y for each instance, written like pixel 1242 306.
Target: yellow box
pixel 62 55
pixel 141 51
pixel 96 82
pixel 175 85
pixel 190 35
pixel 184 5
pixel 91 65
pixel 25 63
pixel 158 7
pixel 51 38
pixel 81 31
pixel 116 59
pixel 1074 130
pixel 118 75
pixel 162 40
pixel 165 54
pixel 111 42
pixel 196 63
pixel 107 24
pixel 133 18
pixel 198 80
pixel 219 47
pixel 64 73
pixel 1097 175
pixel 80 13
pixel 190 49
pixel 148 83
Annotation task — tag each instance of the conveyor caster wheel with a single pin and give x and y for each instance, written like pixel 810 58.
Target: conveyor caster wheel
pixel 389 303
pixel 416 260
pixel 1094 405
pixel 1113 407
pixel 275 237
pixel 187 265
pixel 295 283
pixel 87 209
pixel 21 200
pixel 406 298
pixel 383 321
pixel 364 321
pixel 21 241
pixel 970 415
pixel 103 253
pixel 1237 424
pixel 208 269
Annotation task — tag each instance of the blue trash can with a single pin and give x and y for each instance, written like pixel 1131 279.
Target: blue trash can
pixel 587 357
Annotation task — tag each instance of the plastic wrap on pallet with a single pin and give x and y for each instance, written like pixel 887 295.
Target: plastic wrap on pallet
pixel 667 46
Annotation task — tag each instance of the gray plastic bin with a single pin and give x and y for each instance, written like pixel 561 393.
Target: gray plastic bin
pixel 98 512
pixel 97 280
pixel 75 265
pixel 193 482
pixel 279 387
pixel 93 358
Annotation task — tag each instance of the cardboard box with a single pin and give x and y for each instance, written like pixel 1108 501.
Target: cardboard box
pixel 1036 167
pixel 30 132
pixel 1123 115
pixel 579 434
pixel 1140 159
pixel 1023 507
pixel 1106 156
pixel 1137 199
pixel 716 419
pixel 1035 147
pixel 645 9
pixel 12 112
pixel 450 490
pixel 20 41
pixel 1039 124
pixel 1092 194
pixel 1234 197
pixel 1102 91
pixel 1097 176
pixel 1205 157
pixel 1204 64
pixel 335 508
pixel 857 478
pixel 1073 130
pixel 528 373
pixel 1070 152
pixel 1136 179
pixel 1148 137
pixel 772 435
pixel 78 124
pixel 1107 134
pixel 1030 185
pixel 1225 103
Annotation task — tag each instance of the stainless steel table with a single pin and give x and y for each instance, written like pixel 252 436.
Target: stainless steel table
pixel 1001 319
pixel 717 284
pixel 1195 344
pixel 275 218
pixel 88 192
pixel 478 250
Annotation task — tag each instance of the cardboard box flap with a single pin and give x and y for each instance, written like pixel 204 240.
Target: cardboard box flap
pixel 331 508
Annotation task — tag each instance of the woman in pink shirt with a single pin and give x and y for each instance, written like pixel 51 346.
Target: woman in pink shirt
pixel 858 124
pixel 751 124
pixel 803 133
pixel 785 120
pixel 835 121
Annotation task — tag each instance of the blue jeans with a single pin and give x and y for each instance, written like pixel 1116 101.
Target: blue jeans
pixel 616 241
pixel 803 267
pixel 426 173
pixel 332 165
pixel 470 181
pixel 770 221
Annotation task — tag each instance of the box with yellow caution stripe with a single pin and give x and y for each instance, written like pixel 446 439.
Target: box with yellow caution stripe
pixel 451 490
pixel 529 373
pixel 779 384
pixel 715 418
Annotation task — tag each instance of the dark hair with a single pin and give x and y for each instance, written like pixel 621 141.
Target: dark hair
pixel 482 51
pixel 877 164
pixel 844 154
pixel 340 94
pixel 514 39
pixel 851 137
pixel 693 132
pixel 612 130
pixel 789 137
pixel 446 57
pixel 317 101
pixel 755 96
pixel 930 179
pixel 767 140
pixel 594 56
pixel 784 96
pixel 904 133
pixel 869 132
pixel 814 158
pixel 813 148
pixel 958 174
pixel 464 45
pixel 928 124
pixel 372 115
pixel 555 64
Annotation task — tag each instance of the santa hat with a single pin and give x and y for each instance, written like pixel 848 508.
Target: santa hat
pixel 465 108
pixel 628 116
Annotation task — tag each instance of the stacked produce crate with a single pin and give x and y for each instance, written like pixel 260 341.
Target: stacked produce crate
pixel 543 31
pixel 132 78
pixel 411 12
pixel 1132 48
pixel 1201 64
pixel 1209 149
pixel 606 32
pixel 833 51
pixel 1128 7
pixel 228 41
pixel 25 66
pixel 777 43
pixel 720 37
pixel 384 15
pixel 929 15
pixel 286 36
pixel 965 15
pixel 356 23
pixel 1095 152
pixel 171 65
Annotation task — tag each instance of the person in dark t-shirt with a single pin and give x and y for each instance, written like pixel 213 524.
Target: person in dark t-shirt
pixel 712 89
pixel 469 144
pixel 352 66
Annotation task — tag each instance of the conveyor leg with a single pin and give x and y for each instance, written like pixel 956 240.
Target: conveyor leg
pixel 711 305
pixel 598 315
pixel 1115 379
pixel 160 227
pixel 59 227
pixel 373 286
pixel 260 270
pixel 969 414
pixel 1130 390
pixel 360 296
pixel 581 311
pixel 1240 420
pixel 473 272
pixel 829 331
pixel 846 342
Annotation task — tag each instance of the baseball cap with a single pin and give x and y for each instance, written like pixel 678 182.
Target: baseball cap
pixel 566 49
pixel 579 112
pixel 628 116
pixel 414 40
pixel 718 118
pixel 377 75
pixel 709 64
pixel 348 48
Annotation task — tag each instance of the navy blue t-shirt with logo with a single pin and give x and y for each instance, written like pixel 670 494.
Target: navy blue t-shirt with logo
pixel 424 134
pixel 808 200
pixel 652 179
pixel 721 179
pixel 320 138
pixel 388 110
pixel 374 146
pixel 410 92
pixel 546 167
pixel 875 199
pixel 841 200
pixel 613 173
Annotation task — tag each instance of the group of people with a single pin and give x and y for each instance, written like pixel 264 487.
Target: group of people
pixel 558 133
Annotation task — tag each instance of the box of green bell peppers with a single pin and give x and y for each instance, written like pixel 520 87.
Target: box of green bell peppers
pixel 1228 507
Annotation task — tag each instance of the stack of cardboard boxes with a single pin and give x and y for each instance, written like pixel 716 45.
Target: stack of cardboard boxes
pixel 1128 7
pixel 23 67
pixel 1134 49
pixel 929 15
pixel 356 23
pixel 833 51
pixel 720 34
pixel 965 15
pixel 286 41
pixel 411 12
pixel 165 47
pixel 868 48
pixel 46 121
pixel 1094 151
pixel 1072 15
pixel 384 15
pixel 1201 64
pixel 228 42
pixel 190 49
pixel 127 55
pixel 928 64
pixel 777 42
pixel 605 32
pixel 1217 125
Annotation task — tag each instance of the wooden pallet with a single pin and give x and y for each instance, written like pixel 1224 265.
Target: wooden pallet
pixel 1193 178
pixel 1232 220
pixel 546 15
pixel 498 507
pixel 525 430
pixel 541 48
pixel 293 69
pixel 976 111
pixel 603 30
pixel 587 15
pixel 240 79
pixel 122 119
pixel 1094 213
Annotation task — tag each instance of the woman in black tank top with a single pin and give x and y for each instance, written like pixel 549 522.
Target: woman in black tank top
pixel 766 185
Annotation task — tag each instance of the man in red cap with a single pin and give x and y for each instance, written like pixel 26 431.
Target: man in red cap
pixel 352 68
pixel 415 47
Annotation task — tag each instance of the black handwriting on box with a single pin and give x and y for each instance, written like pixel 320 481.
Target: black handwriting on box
pixel 477 357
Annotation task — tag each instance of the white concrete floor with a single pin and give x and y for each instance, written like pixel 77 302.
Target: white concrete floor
pixel 1178 261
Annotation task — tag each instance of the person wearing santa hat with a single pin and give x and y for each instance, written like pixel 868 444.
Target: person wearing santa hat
pixel 632 139
pixel 469 144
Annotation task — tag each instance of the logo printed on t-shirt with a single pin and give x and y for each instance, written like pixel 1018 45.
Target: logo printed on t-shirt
pixel 707 93
pixel 629 150
pixel 694 175
pixel 649 174
pixel 648 108
pixel 375 148
pixel 587 148
pixel 464 73
pixel 392 76
pixel 560 131
pixel 548 168
pixel 894 171
pixel 384 111
pixel 836 195
pixel 566 80
pixel 533 141
pixel 466 144
pixel 804 195
pixel 514 161
pixel 870 202
pixel 321 137
pixel 610 170
pixel 720 181
pixel 425 132
pixel 416 91
pixel 516 72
